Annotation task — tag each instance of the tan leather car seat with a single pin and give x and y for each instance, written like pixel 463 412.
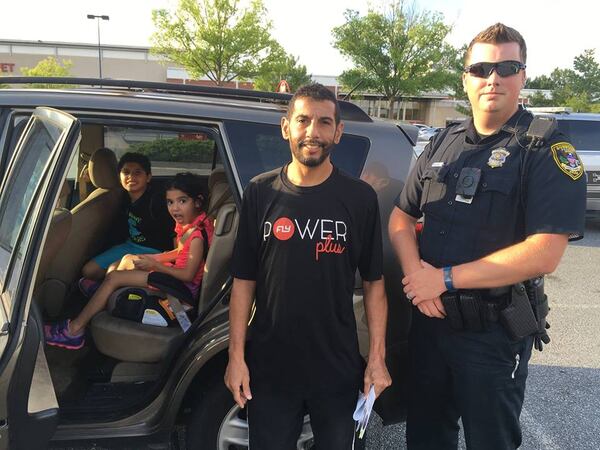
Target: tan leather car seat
pixel 60 225
pixel 130 341
pixel 91 223
pixel 220 205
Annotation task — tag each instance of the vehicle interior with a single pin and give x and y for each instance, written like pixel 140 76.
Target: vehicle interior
pixel 124 363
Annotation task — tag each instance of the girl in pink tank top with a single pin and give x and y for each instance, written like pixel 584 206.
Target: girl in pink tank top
pixel 185 263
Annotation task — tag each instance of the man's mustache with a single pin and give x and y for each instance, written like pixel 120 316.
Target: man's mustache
pixel 307 142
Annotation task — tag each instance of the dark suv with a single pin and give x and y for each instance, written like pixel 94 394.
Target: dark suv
pixel 136 381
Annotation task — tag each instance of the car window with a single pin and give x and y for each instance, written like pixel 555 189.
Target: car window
pixel 170 151
pixel 584 134
pixel 24 179
pixel 18 196
pixel 259 148
pixel 15 126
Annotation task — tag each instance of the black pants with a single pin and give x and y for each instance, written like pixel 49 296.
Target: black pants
pixel 275 420
pixel 471 375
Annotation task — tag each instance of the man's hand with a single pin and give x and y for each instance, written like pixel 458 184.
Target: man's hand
pixel 432 308
pixel 424 284
pixel 237 380
pixel 376 374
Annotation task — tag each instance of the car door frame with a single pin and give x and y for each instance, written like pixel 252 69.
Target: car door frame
pixel 22 357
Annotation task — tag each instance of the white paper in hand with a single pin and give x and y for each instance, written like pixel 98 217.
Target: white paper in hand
pixel 364 406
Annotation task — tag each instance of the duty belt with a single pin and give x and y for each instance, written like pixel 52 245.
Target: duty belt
pixel 473 309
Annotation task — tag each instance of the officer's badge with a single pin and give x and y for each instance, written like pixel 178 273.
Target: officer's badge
pixel 567 160
pixel 498 157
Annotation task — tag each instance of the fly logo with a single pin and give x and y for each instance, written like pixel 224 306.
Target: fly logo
pixel 328 234
pixel 283 229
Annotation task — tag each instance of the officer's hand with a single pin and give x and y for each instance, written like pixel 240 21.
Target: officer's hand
pixel 424 284
pixel 237 380
pixel 432 308
pixel 376 374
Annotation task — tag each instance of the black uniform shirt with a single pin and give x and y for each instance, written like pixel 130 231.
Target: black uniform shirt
pixel 303 245
pixel 504 210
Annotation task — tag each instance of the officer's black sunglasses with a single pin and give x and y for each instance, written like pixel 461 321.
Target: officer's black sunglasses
pixel 502 68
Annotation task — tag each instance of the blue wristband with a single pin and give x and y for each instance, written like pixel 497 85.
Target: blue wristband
pixel 448 278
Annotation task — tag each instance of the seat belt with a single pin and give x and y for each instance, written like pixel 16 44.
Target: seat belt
pixel 179 311
pixel 185 236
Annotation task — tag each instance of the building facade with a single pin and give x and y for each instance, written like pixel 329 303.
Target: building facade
pixel 138 63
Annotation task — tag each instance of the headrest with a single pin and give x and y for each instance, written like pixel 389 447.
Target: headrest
pixel 217 176
pixel 218 190
pixel 103 169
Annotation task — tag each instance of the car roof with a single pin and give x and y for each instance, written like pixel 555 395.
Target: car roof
pixel 197 101
pixel 570 116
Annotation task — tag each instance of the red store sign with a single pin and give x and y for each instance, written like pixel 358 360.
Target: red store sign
pixel 7 67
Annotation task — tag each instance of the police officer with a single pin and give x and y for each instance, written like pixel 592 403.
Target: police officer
pixel 500 198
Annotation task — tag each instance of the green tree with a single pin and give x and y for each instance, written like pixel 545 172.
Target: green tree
pixel 587 75
pixel 281 66
pixel 579 87
pixel 398 51
pixel 540 82
pixel 539 99
pixel 214 38
pixel 457 65
pixel 48 67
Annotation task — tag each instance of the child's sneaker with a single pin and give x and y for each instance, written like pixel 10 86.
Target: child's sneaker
pixel 58 336
pixel 88 287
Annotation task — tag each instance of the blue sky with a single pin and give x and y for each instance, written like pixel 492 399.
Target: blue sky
pixel 555 31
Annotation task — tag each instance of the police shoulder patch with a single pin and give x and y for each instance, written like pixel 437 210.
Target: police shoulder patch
pixel 567 160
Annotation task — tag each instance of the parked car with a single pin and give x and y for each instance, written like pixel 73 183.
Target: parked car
pixel 426 132
pixel 135 381
pixel 583 130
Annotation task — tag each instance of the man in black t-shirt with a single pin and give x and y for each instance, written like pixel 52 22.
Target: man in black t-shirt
pixel 304 230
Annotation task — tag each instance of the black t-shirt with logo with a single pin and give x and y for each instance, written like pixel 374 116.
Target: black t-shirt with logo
pixel 148 220
pixel 303 245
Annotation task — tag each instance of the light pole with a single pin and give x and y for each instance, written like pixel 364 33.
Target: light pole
pixel 93 16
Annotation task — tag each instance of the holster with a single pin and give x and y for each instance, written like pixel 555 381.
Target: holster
pixel 539 305
pixel 518 318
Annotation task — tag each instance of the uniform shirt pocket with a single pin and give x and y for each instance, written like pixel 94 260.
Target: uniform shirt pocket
pixel 498 198
pixel 434 185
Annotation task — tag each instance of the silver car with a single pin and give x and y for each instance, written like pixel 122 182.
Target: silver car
pixel 583 130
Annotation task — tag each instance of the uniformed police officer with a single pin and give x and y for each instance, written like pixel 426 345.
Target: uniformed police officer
pixel 500 200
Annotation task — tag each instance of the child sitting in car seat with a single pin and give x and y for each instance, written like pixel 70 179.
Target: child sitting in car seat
pixel 185 263
pixel 144 226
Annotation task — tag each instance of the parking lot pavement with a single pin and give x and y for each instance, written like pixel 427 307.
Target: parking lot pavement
pixel 562 401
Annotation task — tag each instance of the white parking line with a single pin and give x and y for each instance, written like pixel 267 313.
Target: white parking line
pixel 565 306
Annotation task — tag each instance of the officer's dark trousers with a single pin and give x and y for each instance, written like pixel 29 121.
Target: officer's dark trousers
pixel 468 375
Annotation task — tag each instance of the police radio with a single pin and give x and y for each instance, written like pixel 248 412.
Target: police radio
pixel 540 130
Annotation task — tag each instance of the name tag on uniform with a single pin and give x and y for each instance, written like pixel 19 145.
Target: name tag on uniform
pixel 460 198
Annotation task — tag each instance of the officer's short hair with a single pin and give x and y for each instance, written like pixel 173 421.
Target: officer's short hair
pixel 499 34
pixel 315 91
pixel 132 157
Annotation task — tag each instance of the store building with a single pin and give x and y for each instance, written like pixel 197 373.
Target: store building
pixel 138 63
